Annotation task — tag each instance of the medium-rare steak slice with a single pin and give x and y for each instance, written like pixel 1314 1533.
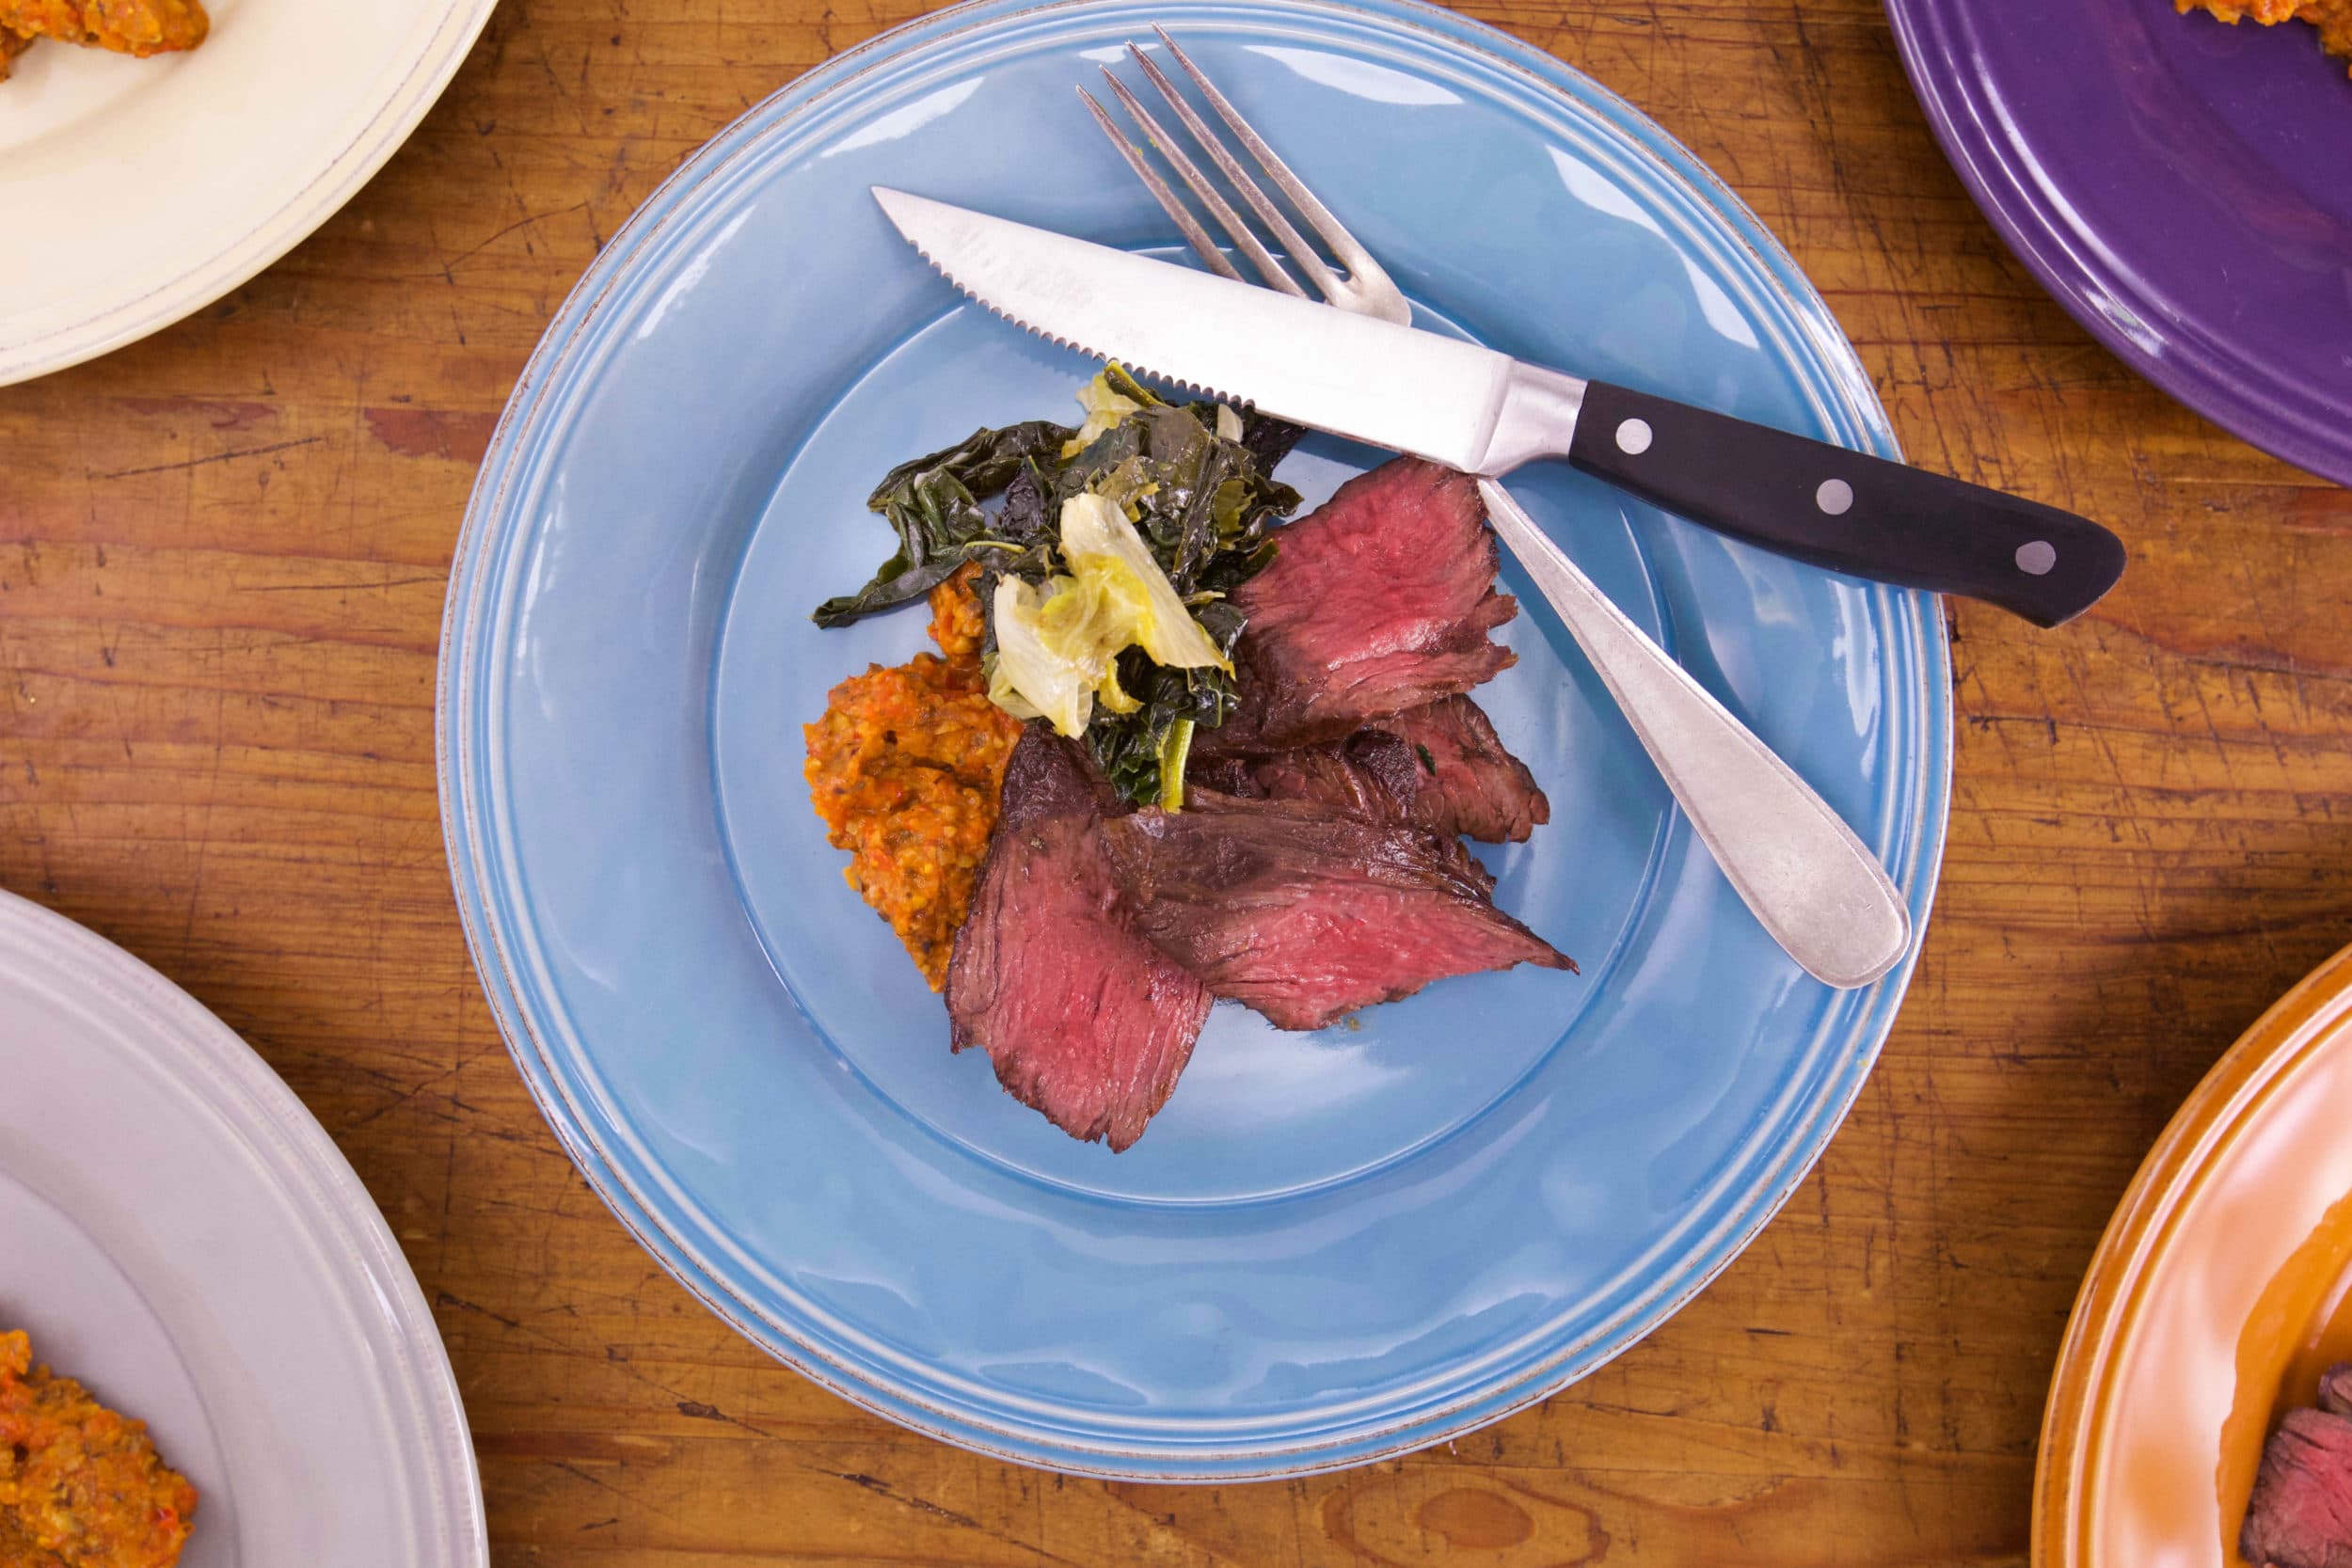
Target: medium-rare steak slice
pixel 1380 600
pixel 1305 916
pixel 1437 767
pixel 1085 1020
pixel 2335 1390
pixel 1468 783
pixel 2300 1515
pixel 1372 775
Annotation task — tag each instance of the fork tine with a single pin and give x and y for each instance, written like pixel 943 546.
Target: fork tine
pixel 1352 255
pixel 1195 236
pixel 1190 173
pixel 1302 253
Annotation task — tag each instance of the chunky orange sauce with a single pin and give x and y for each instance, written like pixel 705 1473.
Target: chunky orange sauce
pixel 125 26
pixel 904 768
pixel 2333 18
pixel 80 1486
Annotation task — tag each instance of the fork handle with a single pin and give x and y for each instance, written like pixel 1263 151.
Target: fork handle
pixel 1839 509
pixel 1812 884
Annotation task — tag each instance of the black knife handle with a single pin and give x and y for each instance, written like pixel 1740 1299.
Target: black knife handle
pixel 1838 509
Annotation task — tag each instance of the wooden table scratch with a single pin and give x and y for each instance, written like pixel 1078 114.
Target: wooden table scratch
pixel 222 556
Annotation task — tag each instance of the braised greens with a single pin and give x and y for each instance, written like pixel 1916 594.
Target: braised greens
pixel 1190 483
pixel 934 504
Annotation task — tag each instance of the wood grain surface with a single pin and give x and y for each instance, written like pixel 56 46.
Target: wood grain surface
pixel 222 555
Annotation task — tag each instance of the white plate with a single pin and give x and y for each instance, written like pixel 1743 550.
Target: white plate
pixel 131 192
pixel 178 1233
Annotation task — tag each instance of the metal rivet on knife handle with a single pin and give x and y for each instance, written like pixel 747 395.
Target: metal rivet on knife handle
pixel 1472 408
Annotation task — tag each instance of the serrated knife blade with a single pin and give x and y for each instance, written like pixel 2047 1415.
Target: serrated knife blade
pixel 1394 387
pixel 1486 413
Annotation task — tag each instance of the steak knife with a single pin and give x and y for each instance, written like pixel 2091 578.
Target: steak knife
pixel 1486 413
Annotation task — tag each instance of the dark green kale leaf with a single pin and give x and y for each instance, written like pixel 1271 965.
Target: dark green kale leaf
pixel 1204 505
pixel 1269 439
pixel 1142 753
pixel 933 504
pixel 1198 498
pixel 1025 515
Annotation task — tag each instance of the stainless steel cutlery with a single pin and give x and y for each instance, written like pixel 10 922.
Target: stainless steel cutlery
pixel 1361 370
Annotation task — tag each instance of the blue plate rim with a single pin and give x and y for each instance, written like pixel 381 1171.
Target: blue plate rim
pixel 471 853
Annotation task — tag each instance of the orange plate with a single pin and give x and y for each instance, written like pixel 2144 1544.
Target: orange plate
pixel 2219 1293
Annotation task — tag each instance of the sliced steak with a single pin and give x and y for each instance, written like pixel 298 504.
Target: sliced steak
pixel 1380 600
pixel 1370 774
pixel 1084 1019
pixel 1437 767
pixel 2335 1390
pixel 2301 1513
pixel 1466 781
pixel 1306 916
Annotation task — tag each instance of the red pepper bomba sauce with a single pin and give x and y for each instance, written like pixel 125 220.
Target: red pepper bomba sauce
pixel 80 1485
pixel 904 768
pixel 2333 18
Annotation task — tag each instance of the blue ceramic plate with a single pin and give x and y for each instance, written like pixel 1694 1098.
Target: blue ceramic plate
pixel 1329 1247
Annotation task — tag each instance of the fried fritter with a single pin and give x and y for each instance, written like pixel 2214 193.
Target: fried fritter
pixel 12 45
pixel 125 26
pixel 80 1486
pixel 2333 18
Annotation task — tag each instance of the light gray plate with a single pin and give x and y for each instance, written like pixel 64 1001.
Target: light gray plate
pixel 180 1234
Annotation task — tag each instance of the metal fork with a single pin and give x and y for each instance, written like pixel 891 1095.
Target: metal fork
pixel 1812 884
pixel 1362 286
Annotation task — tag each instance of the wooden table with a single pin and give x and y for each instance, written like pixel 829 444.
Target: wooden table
pixel 222 555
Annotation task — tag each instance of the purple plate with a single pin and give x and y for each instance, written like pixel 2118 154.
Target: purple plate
pixel 2184 187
